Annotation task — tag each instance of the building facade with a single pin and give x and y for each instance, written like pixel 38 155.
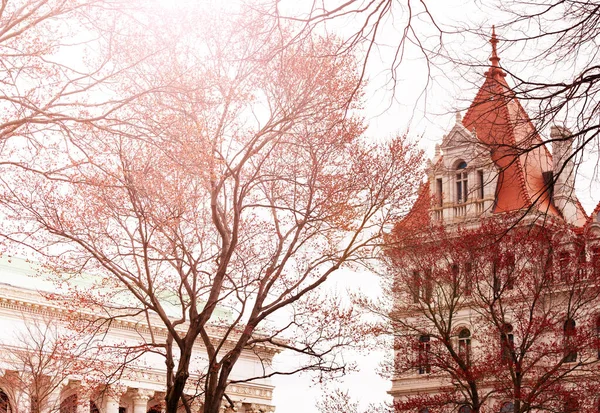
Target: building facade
pixel 36 360
pixel 497 270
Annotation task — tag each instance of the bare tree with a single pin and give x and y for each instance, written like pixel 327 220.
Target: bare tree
pixel 40 358
pixel 224 198
pixel 493 315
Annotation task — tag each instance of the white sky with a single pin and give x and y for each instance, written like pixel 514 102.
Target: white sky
pixel 425 113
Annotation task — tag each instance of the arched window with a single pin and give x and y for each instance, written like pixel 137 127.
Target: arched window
pixel 569 330
pixel 69 404
pixel 424 350
pixel 507 343
pixel 93 407
pixel 465 408
pixel 464 345
pixel 507 407
pixel 461 183
pixel 4 403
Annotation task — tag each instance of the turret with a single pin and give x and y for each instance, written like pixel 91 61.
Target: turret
pixel 563 170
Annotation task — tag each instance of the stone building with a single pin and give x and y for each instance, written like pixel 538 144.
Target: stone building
pixel 139 389
pixel 493 165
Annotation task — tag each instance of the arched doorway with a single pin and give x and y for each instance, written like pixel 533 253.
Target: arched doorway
pixel 4 403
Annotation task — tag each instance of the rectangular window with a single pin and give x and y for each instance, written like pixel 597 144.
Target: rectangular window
pixel 461 187
pixel 428 286
pixel 424 350
pixel 468 278
pixel 480 184
pixel 510 269
pixel 496 277
pixel 564 263
pixel 508 347
pixel 595 262
pixel 439 199
pixel 416 286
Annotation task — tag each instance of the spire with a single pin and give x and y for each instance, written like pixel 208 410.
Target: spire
pixel 495 69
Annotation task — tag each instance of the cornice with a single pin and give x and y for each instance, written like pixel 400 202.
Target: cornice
pixel 27 301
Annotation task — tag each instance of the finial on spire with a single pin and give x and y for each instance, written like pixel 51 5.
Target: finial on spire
pixel 495 68
pixel 494 41
pixel 458 117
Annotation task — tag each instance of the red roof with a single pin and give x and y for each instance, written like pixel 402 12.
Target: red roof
pixel 501 123
pixel 418 217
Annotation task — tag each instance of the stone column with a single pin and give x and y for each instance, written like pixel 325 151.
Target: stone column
pixel 140 399
pixel 112 403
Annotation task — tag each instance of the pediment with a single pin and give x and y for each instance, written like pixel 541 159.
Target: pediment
pixel 458 136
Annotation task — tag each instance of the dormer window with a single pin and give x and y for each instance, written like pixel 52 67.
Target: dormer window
pixel 461 183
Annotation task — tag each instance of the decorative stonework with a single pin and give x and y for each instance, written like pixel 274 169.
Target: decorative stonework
pixel 251 391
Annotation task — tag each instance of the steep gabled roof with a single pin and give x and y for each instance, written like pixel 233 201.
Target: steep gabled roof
pixel 418 216
pixel 500 122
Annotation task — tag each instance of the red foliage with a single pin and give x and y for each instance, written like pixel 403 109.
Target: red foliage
pixel 503 311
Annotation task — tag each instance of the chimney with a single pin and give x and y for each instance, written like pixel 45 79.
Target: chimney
pixel 563 171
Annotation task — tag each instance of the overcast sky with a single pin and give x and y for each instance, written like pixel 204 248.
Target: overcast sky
pixel 424 107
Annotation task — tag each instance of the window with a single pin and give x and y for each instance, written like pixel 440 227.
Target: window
pixel 422 287
pixel 598 335
pixel 416 286
pixel 509 269
pixel 503 273
pixel 424 350
pixel 455 270
pixel 496 278
pixel 569 330
pixel 581 262
pixel 564 266
pixel 428 286
pixel 461 183
pixel 595 262
pixel 480 182
pixel 93 407
pixel 464 345
pixel 468 278
pixel 507 344
pixel 4 403
pixel 439 197
pixel 507 407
